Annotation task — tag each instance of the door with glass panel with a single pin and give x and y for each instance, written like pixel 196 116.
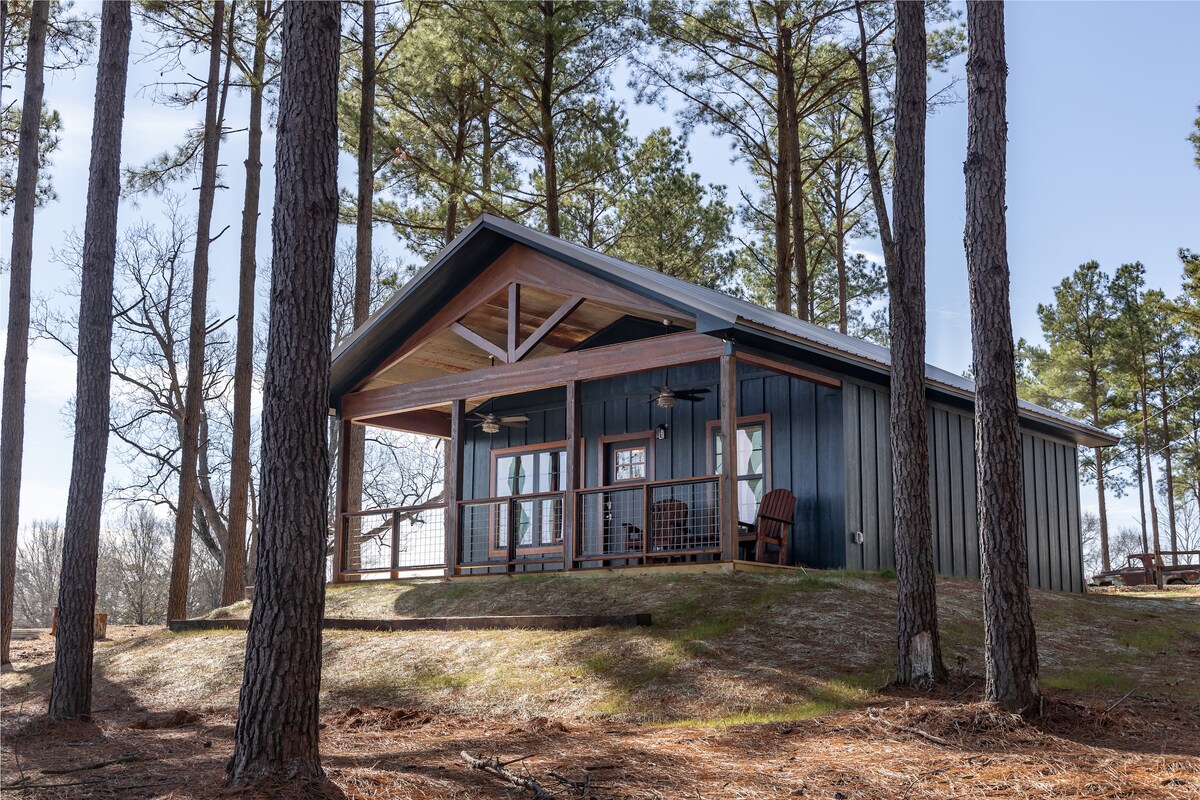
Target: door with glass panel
pixel 537 521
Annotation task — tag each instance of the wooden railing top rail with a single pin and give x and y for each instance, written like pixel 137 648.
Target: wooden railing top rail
pixel 612 487
pixel 393 509
pixel 510 497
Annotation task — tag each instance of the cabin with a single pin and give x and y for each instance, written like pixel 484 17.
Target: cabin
pixel 585 403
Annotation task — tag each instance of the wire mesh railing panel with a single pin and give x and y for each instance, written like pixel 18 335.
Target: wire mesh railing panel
pixel 420 537
pixel 367 542
pixel 483 531
pixel 538 521
pixel 684 516
pixel 612 522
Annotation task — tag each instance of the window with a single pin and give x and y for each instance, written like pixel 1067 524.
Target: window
pixel 751 463
pixel 538 521
pixel 629 463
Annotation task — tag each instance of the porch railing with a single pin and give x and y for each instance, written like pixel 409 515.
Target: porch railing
pixel 507 531
pixel 649 522
pixel 388 540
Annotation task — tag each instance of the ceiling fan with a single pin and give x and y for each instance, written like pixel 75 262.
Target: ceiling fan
pixel 666 397
pixel 490 423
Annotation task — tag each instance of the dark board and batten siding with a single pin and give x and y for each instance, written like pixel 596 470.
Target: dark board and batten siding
pixel 805 450
pixel 1050 493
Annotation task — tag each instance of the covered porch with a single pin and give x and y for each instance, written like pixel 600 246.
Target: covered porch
pixel 576 461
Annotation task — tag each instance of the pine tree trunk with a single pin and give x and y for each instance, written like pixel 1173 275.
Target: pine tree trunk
pixel 16 349
pixel 181 553
pixel 1149 453
pixel 234 583
pixel 783 290
pixel 840 252
pixel 1105 556
pixel 1010 642
pixel 796 185
pixel 362 254
pixel 874 168
pixel 548 135
pixel 277 727
pixel 1168 470
pixel 1141 479
pixel 920 656
pixel 71 686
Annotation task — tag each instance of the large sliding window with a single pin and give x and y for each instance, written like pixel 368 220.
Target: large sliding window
pixel 530 471
pixel 752 460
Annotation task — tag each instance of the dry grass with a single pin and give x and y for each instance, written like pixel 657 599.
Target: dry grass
pixel 746 685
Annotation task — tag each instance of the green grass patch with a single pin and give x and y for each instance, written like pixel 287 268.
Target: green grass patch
pixel 1150 639
pixel 1088 679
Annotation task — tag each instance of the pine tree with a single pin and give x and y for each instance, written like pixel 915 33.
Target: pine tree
pixel 1010 642
pixel 71 686
pixel 1078 373
pixel 920 654
pixel 277 732
pixel 16 352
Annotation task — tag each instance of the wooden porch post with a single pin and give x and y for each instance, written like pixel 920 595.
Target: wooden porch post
pixel 573 482
pixel 727 491
pixel 341 500
pixel 454 482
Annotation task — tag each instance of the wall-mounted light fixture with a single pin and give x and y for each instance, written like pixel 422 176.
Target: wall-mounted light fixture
pixel 660 431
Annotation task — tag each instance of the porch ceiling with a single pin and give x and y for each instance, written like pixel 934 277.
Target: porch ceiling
pixel 448 353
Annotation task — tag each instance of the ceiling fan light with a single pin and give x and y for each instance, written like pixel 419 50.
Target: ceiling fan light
pixel 665 400
pixel 490 426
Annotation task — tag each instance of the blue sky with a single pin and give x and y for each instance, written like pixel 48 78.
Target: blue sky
pixel 1101 99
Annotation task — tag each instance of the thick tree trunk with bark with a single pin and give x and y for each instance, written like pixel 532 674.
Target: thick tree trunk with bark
pixel 234 582
pixel 71 686
pixel 16 349
pixel 920 655
pixel 356 443
pixel 1141 479
pixel 277 729
pixel 1010 643
pixel 795 182
pixel 181 553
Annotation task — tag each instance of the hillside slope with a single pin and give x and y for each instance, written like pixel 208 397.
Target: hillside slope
pixel 722 648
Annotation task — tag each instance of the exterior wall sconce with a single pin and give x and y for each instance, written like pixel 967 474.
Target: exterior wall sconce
pixel 660 431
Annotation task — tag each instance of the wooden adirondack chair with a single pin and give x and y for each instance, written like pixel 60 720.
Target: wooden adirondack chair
pixel 772 526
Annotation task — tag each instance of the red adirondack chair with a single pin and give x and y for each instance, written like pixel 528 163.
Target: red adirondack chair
pixel 772 526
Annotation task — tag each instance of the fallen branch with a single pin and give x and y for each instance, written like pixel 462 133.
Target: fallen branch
pixel 1122 700
pixel 495 767
pixel 915 731
pixel 123 759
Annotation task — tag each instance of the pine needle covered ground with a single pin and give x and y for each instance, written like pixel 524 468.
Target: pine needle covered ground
pixel 746 685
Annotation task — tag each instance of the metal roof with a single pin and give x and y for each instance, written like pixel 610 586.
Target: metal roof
pixel 488 236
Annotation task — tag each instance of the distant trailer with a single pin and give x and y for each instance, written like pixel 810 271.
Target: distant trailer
pixel 1142 569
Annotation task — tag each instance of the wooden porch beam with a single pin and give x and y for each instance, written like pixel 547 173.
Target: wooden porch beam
pixel 514 320
pixel 600 362
pixel 550 324
pixel 786 368
pixel 454 481
pixel 573 472
pixel 341 503
pixel 483 344
pixel 426 422
pixel 727 487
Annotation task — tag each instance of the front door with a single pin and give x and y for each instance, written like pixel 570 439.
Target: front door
pixel 626 470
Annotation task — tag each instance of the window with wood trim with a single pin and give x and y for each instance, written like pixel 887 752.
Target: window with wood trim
pixel 752 461
pixel 530 471
pixel 629 463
